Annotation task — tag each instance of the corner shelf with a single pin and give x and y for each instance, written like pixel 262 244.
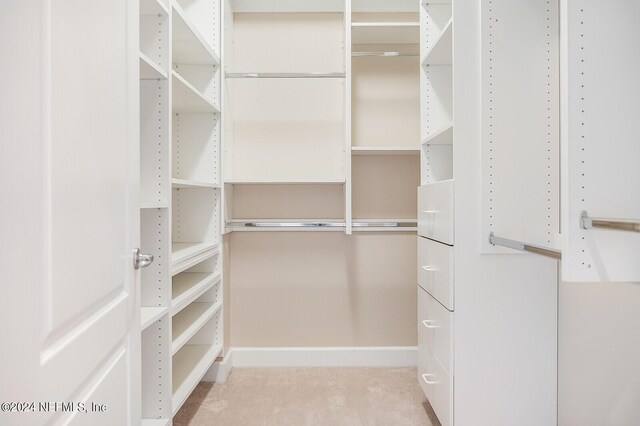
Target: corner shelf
pixel 191 184
pixel 189 365
pixel 443 136
pixel 188 286
pixel 440 53
pixel 187 98
pixel 153 7
pixel 149 70
pixel 390 150
pixel 189 46
pixel 190 320
pixel 149 315
pixel 385 32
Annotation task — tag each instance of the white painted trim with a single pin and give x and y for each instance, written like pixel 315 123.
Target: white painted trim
pixel 391 356
pixel 220 370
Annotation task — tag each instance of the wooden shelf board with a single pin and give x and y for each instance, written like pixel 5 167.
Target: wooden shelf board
pixel 187 98
pixel 385 32
pixel 153 7
pixel 189 46
pixel 440 53
pixel 158 205
pixel 191 184
pixel 189 321
pixel 443 136
pixel 149 315
pixel 181 252
pixel 149 70
pixel 189 365
pixel 374 150
pixel 188 286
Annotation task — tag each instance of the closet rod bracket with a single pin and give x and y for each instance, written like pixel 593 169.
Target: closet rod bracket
pixel 587 222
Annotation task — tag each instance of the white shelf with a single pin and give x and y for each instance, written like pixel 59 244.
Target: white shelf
pixel 189 365
pixel 153 7
pixel 443 136
pixel 189 321
pixel 375 150
pixel 149 70
pixel 191 184
pixel 159 205
pixel 149 315
pixel 187 98
pixel 155 422
pixel 188 286
pixel 385 32
pixel 181 252
pixel 440 53
pixel 189 46
pixel 285 182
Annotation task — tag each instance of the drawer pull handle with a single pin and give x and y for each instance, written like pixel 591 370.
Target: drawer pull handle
pixel 429 382
pixel 430 324
pixel 429 268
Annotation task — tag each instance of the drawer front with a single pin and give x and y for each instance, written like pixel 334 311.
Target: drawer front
pixel 435 211
pixel 424 351
pixel 435 270
pixel 438 387
pixel 435 323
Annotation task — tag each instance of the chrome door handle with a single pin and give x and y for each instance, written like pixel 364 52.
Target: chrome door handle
pixel 141 260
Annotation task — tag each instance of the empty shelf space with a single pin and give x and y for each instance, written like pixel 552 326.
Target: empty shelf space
pixel 188 286
pixel 189 365
pixel 181 252
pixel 152 205
pixel 155 422
pixel 443 136
pixel 149 315
pixel 187 98
pixel 149 70
pixel 189 321
pixel 191 184
pixel 440 52
pixel 153 7
pixel 374 150
pixel 385 32
pixel 189 46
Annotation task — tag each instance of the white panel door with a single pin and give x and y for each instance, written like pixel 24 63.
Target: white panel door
pixel 601 138
pixel 70 221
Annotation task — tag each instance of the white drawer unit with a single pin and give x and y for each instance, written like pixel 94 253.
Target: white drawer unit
pixel 435 211
pixel 435 270
pixel 435 363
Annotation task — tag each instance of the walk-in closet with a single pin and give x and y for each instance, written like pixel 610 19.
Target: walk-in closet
pixel 319 213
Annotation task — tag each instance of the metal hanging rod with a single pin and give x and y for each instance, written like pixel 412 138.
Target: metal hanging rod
pixel 289 224
pixel 285 75
pixel 587 222
pixel 529 248
pixel 382 54
pixel 384 224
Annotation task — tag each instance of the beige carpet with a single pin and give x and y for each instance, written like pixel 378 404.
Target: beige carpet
pixel 310 397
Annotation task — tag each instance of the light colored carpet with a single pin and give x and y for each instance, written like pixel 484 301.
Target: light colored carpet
pixel 310 397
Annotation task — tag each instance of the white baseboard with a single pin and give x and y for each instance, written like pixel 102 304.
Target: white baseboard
pixel 220 370
pixel 383 356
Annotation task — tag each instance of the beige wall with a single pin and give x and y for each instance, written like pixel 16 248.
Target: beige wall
pixel 322 289
pixel 599 354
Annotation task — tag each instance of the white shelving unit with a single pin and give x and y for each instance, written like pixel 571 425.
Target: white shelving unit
pixel 440 52
pixel 181 313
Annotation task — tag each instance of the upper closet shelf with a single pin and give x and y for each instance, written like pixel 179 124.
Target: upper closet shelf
pixel 149 70
pixel 443 136
pixel 153 7
pixel 285 182
pixel 189 46
pixel 191 184
pixel 391 150
pixel 187 98
pixel 385 32
pixel 440 52
pixel 285 75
